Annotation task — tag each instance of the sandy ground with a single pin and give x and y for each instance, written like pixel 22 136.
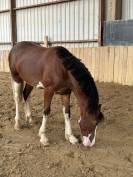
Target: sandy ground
pixel 21 154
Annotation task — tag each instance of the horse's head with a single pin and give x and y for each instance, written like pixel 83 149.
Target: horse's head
pixel 88 125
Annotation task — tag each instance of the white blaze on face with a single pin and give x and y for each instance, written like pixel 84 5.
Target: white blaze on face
pixel 88 140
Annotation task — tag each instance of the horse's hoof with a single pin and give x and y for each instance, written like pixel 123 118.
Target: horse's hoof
pixel 43 140
pixel 72 139
pixel 17 127
pixel 44 143
pixel 31 122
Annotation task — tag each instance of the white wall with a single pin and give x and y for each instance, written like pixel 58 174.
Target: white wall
pixel 4 4
pixel 76 20
pixel 127 9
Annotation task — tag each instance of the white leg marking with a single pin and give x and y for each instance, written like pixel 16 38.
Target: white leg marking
pixel 42 131
pixel 17 97
pixel 40 85
pixel 68 130
pixel 28 112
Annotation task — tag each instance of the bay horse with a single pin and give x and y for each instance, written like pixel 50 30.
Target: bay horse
pixel 60 73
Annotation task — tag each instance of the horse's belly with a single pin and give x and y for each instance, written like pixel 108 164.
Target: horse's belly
pixel 30 75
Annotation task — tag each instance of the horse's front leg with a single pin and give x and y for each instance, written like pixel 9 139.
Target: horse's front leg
pixel 48 94
pixel 66 112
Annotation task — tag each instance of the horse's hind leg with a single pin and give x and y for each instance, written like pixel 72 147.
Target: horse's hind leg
pixel 26 93
pixel 17 92
pixel 66 112
pixel 48 95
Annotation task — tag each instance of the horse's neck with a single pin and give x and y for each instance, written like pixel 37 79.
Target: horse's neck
pixel 83 101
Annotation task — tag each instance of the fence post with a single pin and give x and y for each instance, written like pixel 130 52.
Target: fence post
pixel 46 41
pixel 13 22
pixel 114 10
pixel 101 21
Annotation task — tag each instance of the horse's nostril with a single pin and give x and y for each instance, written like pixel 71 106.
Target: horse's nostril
pixel 92 137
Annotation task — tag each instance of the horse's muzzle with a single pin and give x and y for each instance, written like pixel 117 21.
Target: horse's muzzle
pixel 89 140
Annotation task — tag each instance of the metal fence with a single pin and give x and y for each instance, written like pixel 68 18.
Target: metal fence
pixel 118 32
pixel 72 23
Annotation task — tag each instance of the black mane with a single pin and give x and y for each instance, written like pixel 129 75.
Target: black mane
pixel 82 75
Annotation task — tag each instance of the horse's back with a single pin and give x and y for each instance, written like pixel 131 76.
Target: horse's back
pixel 24 50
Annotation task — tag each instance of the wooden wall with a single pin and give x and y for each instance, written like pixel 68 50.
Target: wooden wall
pixel 4 61
pixel 107 64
